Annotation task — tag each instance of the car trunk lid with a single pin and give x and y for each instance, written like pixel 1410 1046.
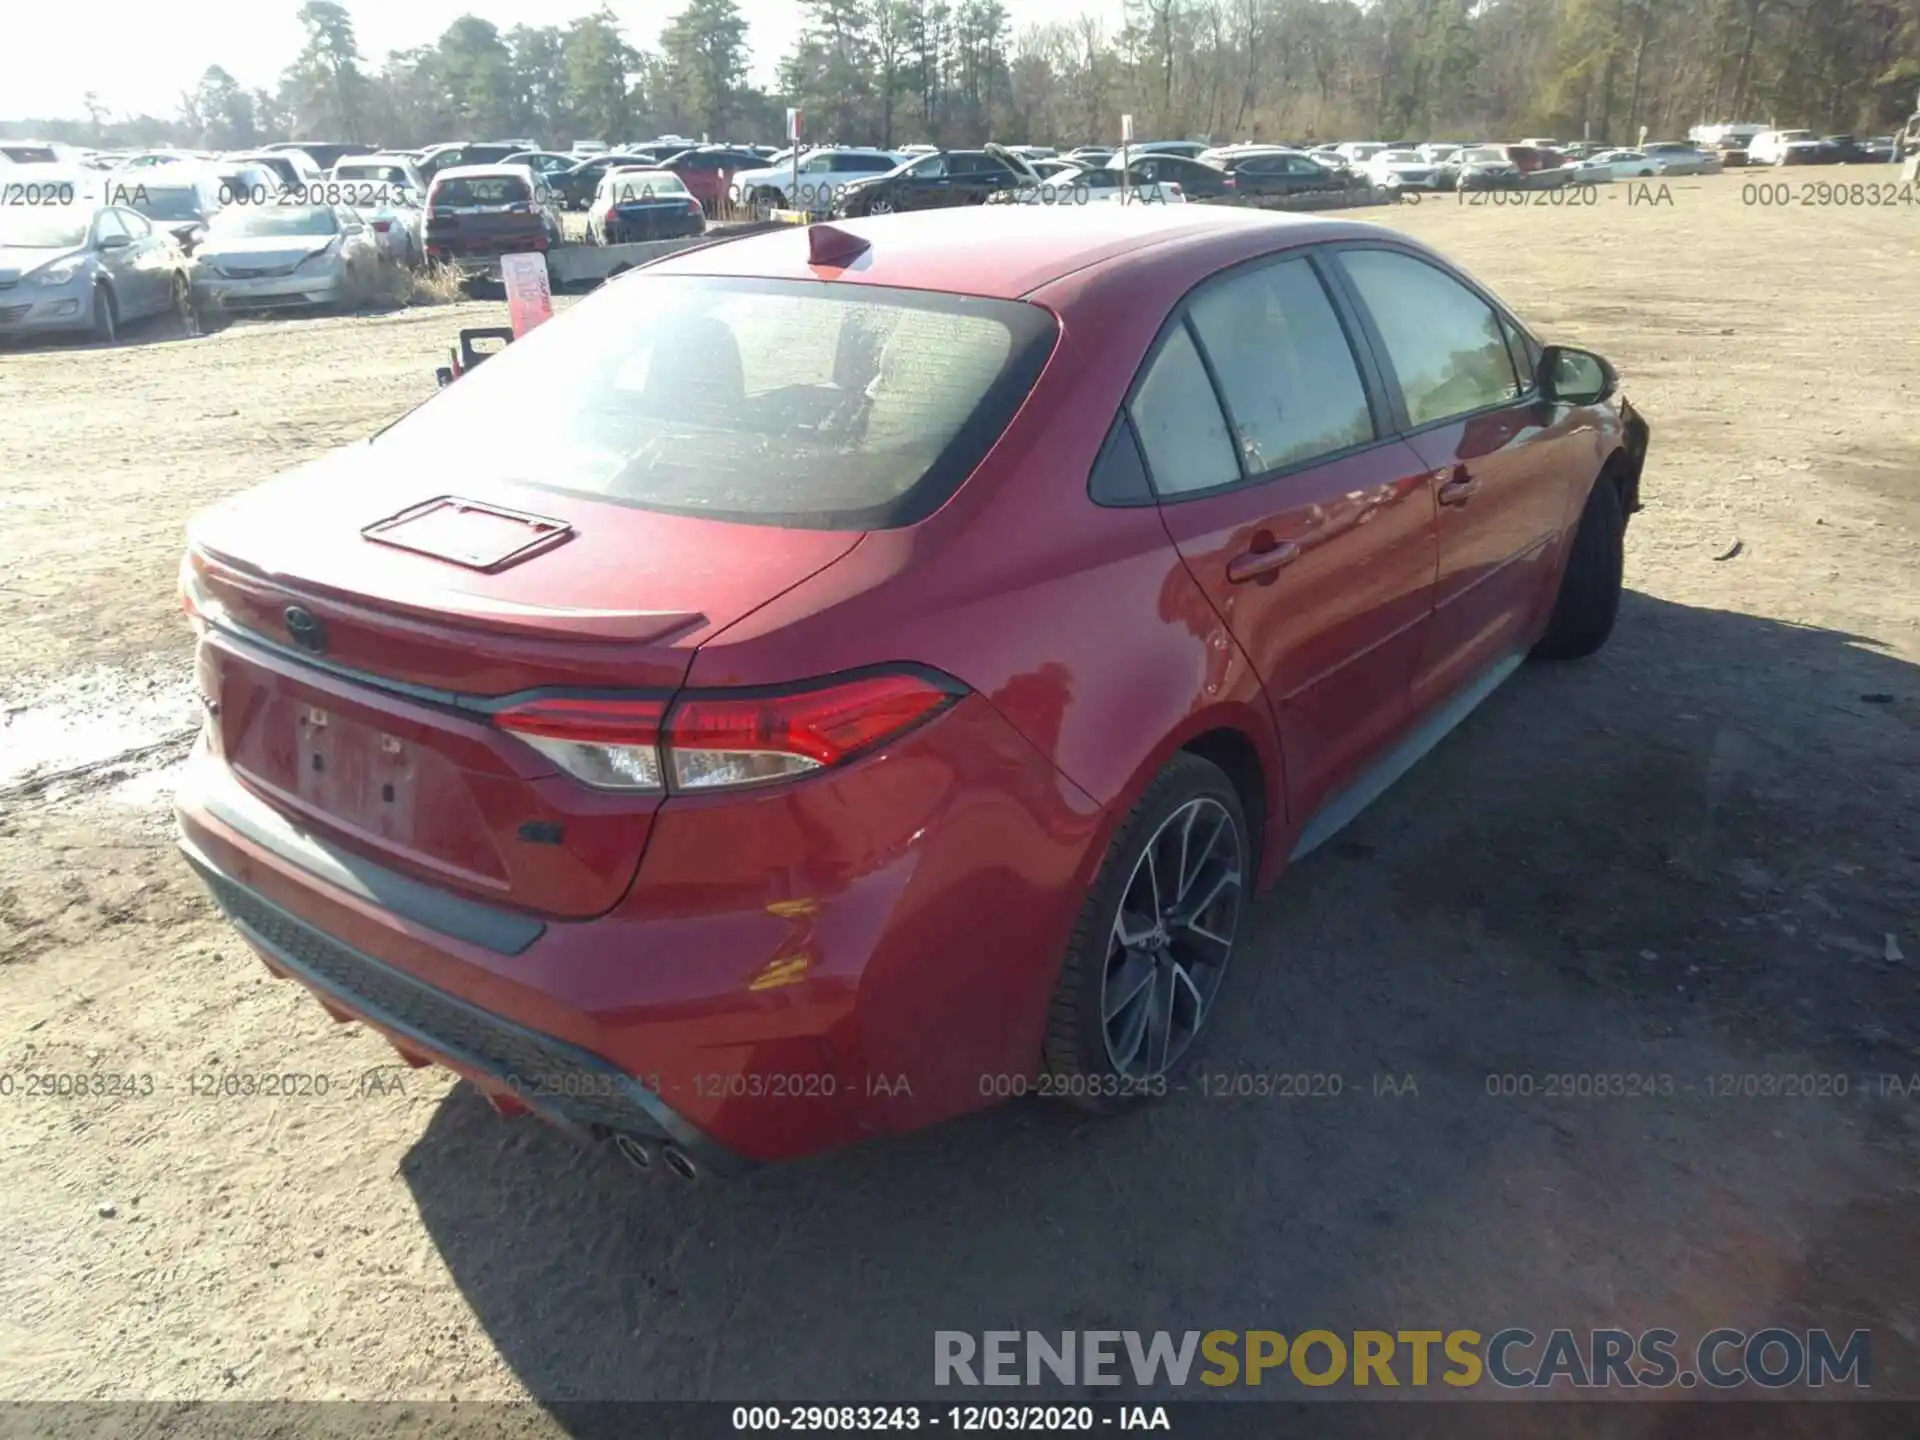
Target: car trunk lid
pixel 358 626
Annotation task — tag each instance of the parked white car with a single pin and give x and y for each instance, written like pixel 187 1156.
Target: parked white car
pixel 1674 157
pixel 1786 147
pixel 1401 170
pixel 1587 172
pixel 824 175
pixel 280 256
pixel 1357 152
pixel 388 191
pixel 294 169
pixel 1626 164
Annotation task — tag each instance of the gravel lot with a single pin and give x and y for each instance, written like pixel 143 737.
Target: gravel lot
pixel 1695 855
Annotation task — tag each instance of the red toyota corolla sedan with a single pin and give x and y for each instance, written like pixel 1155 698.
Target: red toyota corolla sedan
pixel 829 680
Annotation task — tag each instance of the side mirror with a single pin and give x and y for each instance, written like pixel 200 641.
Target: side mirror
pixel 1575 377
pixel 115 242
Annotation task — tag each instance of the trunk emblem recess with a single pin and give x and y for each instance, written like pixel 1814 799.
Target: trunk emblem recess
pixel 487 538
pixel 304 629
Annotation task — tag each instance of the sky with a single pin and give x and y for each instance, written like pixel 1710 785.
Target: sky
pixel 139 56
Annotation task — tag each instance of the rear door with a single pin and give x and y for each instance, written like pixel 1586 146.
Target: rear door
pixel 1308 524
pixel 1500 474
pixel 120 261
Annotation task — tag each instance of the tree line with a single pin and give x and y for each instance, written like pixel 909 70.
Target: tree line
pixel 954 72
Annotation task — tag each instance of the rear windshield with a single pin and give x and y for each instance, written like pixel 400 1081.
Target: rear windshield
pixel 480 191
pixel 636 186
pixel 779 402
pixel 388 174
pixel 162 202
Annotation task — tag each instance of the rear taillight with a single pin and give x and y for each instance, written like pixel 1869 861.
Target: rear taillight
pixel 195 599
pixel 720 740
pixel 693 207
pixel 608 744
pixel 189 587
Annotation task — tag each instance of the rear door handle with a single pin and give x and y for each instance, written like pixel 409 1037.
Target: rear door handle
pixel 1256 563
pixel 1458 488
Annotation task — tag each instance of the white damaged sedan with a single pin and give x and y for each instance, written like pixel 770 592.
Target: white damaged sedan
pixel 269 257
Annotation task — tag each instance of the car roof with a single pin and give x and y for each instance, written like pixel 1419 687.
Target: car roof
pixel 1007 252
pixel 182 176
pixel 491 172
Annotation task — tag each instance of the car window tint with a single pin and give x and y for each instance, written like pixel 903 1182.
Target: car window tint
pixel 1521 350
pixel 1119 475
pixel 781 402
pixel 1444 342
pixel 108 225
pixel 1289 377
pixel 136 223
pixel 1178 418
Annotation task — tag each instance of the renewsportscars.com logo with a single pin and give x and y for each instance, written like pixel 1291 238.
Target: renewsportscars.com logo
pixel 1774 1358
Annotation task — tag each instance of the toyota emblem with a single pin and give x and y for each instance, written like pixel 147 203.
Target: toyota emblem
pixel 305 629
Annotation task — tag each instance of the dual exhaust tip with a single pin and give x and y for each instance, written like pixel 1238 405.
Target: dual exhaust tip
pixel 640 1155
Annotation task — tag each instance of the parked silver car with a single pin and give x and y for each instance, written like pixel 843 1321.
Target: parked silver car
pixel 387 191
pixel 179 199
pixel 85 268
pixel 285 256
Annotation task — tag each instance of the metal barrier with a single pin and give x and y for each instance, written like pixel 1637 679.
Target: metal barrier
pixel 576 265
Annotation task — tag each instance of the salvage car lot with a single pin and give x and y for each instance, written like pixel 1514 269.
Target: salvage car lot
pixel 1692 856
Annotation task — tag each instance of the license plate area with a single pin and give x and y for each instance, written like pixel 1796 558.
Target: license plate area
pixel 357 773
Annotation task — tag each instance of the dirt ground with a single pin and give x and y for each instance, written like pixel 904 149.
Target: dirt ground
pixel 1694 855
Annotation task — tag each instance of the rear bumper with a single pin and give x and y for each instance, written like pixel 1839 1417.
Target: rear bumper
pixel 619 231
pixel 481 258
pixel 792 971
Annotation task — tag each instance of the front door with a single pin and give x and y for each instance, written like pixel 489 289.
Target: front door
pixel 1497 471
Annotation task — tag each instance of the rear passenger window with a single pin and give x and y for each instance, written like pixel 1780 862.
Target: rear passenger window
pixel 1446 345
pixel 1179 422
pixel 1291 383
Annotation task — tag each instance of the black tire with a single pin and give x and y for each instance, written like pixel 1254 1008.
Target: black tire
pixel 1077 1056
pixel 880 205
pixel 1589 598
pixel 106 317
pixel 182 306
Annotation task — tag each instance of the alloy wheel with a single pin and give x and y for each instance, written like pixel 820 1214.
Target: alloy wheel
pixel 1171 939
